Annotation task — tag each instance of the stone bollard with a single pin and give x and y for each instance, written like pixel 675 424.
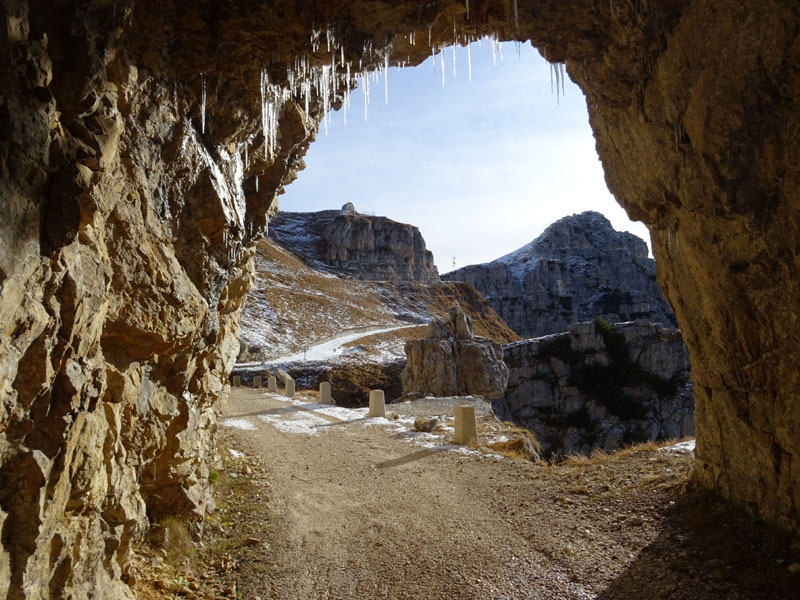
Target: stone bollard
pixel 257 381
pixel 377 405
pixel 272 384
pixel 466 428
pixel 237 381
pixel 289 391
pixel 325 393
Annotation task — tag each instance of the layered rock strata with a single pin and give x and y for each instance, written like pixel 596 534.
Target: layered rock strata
pixel 142 146
pixel 362 246
pixel 580 268
pixel 453 361
pixel 599 386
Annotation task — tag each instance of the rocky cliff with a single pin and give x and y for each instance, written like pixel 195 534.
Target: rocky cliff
pixel 599 386
pixel 143 145
pixel 452 361
pixel 362 246
pixel 578 269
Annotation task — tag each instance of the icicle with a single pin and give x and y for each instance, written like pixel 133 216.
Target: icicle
pixel 467 3
pixel 433 55
pixel 494 51
pixel 365 89
pixel 264 116
pixel 441 56
pixel 256 183
pixel 386 75
pixel 469 58
pixel 454 61
pixel 430 27
pixel 246 157
pixel 202 103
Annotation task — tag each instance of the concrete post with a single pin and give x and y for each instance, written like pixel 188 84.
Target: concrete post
pixel 325 393
pixel 272 384
pixel 257 381
pixel 466 428
pixel 237 381
pixel 289 391
pixel 377 405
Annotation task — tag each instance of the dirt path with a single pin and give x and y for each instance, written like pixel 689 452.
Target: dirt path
pixel 357 511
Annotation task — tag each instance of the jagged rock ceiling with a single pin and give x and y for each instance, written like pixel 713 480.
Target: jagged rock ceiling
pixel 130 212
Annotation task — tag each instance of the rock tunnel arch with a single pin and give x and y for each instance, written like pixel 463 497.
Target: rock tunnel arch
pixel 124 250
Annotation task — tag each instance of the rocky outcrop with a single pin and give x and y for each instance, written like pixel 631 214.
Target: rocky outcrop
pixel 599 386
pixel 142 147
pixel 361 246
pixel 580 268
pixel 452 361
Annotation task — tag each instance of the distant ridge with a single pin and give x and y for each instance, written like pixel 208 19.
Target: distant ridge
pixel 579 268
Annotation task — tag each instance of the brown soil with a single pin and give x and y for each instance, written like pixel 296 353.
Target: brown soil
pixel 355 512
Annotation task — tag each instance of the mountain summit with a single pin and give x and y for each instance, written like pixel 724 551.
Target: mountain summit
pixel 346 242
pixel 579 268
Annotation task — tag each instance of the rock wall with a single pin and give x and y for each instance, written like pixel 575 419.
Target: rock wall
pixel 578 269
pixel 599 386
pixel 453 361
pixel 142 145
pixel 361 246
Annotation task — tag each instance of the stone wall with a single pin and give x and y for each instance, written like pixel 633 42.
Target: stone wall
pixel 599 386
pixel 130 204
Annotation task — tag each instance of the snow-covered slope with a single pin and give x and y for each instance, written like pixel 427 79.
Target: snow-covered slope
pixel 293 307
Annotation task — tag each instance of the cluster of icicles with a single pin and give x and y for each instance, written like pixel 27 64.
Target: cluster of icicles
pixel 340 77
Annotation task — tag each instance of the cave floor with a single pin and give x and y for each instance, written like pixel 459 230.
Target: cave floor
pixel 357 512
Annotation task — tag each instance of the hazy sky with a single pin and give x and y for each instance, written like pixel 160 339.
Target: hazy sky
pixel 481 168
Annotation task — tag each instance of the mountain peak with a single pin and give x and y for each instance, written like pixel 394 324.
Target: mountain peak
pixel 579 268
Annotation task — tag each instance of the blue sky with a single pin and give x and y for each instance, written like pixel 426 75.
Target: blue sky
pixel 481 168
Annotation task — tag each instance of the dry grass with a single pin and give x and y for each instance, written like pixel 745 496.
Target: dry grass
pixel 177 541
pixel 515 448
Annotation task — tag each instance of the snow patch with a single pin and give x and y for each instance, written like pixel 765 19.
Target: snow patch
pixel 680 448
pixel 243 424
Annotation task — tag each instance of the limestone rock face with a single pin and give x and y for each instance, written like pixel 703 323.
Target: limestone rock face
pixel 135 176
pixel 578 269
pixel 362 246
pixel 598 386
pixel 452 361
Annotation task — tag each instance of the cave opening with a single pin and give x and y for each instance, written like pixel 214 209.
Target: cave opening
pixel 481 161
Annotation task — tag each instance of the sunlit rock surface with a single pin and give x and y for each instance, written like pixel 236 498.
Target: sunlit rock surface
pixel 362 246
pixel 578 269
pixel 142 146
pixel 452 361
